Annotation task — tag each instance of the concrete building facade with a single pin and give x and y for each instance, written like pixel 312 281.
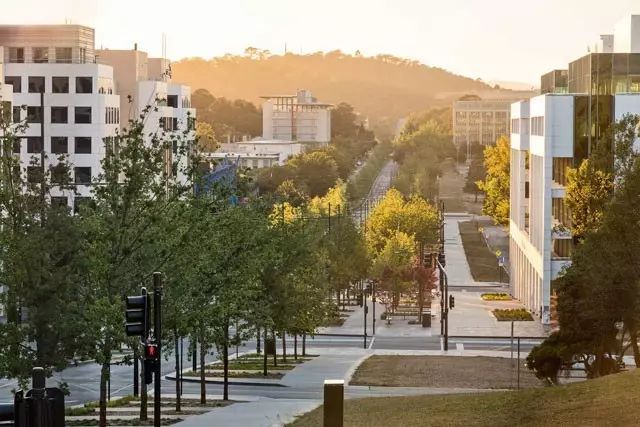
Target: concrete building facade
pixel 550 133
pixel 71 105
pixel 478 122
pixel 298 117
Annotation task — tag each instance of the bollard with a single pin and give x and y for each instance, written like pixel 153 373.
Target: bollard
pixel 333 403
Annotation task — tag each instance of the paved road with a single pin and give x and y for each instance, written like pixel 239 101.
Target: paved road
pixel 378 189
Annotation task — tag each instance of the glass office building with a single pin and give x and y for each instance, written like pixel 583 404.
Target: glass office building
pixel 605 74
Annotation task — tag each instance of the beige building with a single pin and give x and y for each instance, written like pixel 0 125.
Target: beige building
pixel 479 122
pixel 298 117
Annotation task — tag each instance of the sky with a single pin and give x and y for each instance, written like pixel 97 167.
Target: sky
pixel 505 40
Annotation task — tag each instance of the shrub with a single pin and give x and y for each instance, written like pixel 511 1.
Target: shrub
pixel 496 296
pixel 546 359
pixel 515 314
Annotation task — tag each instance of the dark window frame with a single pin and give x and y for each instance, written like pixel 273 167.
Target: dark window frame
pixel 65 85
pixel 81 172
pixel 81 87
pixel 80 112
pixel 83 149
pixel 55 119
pixel 31 81
pixel 11 80
pixel 56 145
pixel 34 144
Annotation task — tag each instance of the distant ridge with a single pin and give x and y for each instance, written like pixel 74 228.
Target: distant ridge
pixel 383 88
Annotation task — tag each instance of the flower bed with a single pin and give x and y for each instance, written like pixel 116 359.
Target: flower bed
pixel 496 296
pixel 515 314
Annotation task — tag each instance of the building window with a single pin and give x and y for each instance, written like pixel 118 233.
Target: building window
pixel 83 145
pixel 34 114
pixel 34 144
pixel 60 84
pixel 82 175
pixel 16 114
pixel 40 54
pixel 59 202
pixel 59 115
pixel 16 145
pixel 83 55
pixel 60 174
pixel 84 85
pixel 36 84
pixel 172 101
pixel 34 174
pixel 537 126
pixel 80 203
pixel 16 81
pixel 59 145
pixel 83 115
pixel 16 54
pixel 63 55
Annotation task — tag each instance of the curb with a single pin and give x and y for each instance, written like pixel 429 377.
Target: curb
pixel 240 382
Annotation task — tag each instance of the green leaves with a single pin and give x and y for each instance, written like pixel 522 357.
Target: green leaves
pixel 496 184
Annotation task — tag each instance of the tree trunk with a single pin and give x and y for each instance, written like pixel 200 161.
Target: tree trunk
pixel 258 339
pixel 136 372
pixel 225 361
pixel 633 337
pixel 295 346
pixel 178 373
pixel 203 385
pixel 144 399
pixel 304 344
pixel 338 298
pixel 284 347
pixel 275 353
pixel 264 355
pixel 104 376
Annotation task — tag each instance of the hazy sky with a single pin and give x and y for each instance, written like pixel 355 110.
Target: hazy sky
pixel 514 40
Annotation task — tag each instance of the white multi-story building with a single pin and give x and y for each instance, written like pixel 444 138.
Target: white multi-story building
pixel 550 133
pixel 144 82
pixel 70 101
pixel 258 153
pixel 298 117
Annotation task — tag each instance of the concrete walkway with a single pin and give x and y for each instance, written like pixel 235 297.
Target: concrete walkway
pixel 458 270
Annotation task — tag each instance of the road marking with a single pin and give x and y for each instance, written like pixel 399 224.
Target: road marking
pixel 8 384
pixel 371 343
pixel 459 346
pixel 121 388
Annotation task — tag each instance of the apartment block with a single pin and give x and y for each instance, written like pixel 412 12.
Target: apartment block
pixel 71 105
pixel 298 117
pixel 550 133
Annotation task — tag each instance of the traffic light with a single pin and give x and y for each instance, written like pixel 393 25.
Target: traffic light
pixel 150 361
pixel 452 301
pixel 137 315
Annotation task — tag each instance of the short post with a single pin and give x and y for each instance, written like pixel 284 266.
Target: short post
pixel 333 403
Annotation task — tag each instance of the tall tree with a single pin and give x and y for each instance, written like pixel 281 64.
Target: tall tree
pixel 496 184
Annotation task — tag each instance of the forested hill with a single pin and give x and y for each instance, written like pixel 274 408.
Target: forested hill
pixel 383 88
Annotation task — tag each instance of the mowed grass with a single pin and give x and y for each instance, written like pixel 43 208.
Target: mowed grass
pixel 608 401
pixel 482 262
pixel 442 372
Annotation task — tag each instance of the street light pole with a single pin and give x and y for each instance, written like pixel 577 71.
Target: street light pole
pixel 373 301
pixel 366 310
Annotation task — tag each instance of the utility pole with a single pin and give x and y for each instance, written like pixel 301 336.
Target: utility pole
pixel 373 302
pixel 366 311
pixel 157 332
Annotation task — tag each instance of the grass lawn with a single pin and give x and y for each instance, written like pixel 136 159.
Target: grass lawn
pixel 441 371
pixel 609 401
pixel 482 262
